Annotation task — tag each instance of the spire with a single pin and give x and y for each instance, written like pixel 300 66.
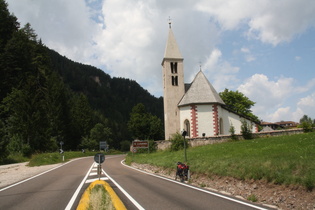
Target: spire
pixel 171 49
pixel 170 22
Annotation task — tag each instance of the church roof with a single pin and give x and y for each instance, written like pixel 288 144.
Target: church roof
pixel 201 92
pixel 171 49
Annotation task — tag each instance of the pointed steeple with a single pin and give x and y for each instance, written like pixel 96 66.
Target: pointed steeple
pixel 201 92
pixel 171 49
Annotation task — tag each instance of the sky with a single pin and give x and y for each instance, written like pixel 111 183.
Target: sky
pixel 263 48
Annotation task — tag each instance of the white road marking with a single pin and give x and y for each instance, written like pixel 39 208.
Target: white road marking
pixel 37 175
pixel 125 192
pixel 75 195
pixel 196 188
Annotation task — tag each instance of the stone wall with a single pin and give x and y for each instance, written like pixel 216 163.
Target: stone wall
pixel 201 141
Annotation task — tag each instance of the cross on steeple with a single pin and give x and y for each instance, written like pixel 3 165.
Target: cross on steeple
pixel 169 21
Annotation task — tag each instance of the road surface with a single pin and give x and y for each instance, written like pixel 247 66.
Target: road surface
pixel 62 188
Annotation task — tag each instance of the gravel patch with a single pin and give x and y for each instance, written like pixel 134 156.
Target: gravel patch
pixel 13 173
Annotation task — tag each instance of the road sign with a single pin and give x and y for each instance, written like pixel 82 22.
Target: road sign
pixel 103 145
pixel 99 158
pixel 140 144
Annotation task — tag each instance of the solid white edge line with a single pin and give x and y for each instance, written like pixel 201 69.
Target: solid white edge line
pixel 196 188
pixel 124 191
pixel 75 195
pixel 25 180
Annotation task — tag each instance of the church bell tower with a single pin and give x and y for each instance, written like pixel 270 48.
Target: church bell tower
pixel 173 81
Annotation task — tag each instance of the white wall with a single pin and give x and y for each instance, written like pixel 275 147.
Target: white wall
pixel 205 120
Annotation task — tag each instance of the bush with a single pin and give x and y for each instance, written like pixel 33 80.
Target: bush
pixel 307 127
pixel 125 146
pixel 232 132
pixel 246 130
pixel 27 150
pixel 177 142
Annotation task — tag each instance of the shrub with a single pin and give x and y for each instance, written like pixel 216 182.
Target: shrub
pixel 232 132
pixel 307 126
pixel 177 142
pixel 246 130
pixel 27 150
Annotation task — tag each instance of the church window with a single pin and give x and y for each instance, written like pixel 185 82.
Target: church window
pixel 174 80
pixel 174 67
pixel 187 127
pixel 221 126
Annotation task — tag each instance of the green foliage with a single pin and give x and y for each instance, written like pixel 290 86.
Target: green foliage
pixel 232 132
pixel 239 103
pixel 143 125
pixel 177 142
pixel 246 130
pixel 125 146
pixel 307 123
pixel 3 142
pixel 252 198
pixel 53 158
pixel 97 134
pixel 287 160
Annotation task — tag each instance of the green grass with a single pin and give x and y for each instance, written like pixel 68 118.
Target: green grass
pixel 100 199
pixel 53 158
pixel 280 160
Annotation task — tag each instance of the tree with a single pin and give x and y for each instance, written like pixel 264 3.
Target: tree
pixel 306 123
pixel 239 103
pixel 143 125
pixel 97 134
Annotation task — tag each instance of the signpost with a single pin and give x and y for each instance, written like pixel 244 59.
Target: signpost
pixel 103 145
pixel 99 158
pixel 140 145
pixel 61 151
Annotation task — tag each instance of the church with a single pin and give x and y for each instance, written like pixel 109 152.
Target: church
pixel 195 108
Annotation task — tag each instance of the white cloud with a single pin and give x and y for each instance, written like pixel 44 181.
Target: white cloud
pixel 272 97
pixel 221 73
pixel 268 95
pixel 247 54
pixel 127 38
pixel 267 20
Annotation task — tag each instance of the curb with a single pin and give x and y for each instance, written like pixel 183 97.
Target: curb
pixel 85 199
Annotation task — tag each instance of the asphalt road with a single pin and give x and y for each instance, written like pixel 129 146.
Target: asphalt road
pixel 52 190
pixel 152 192
pixel 63 187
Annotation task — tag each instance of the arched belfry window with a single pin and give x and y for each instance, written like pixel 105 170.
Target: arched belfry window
pixel 174 67
pixel 174 80
pixel 221 126
pixel 187 127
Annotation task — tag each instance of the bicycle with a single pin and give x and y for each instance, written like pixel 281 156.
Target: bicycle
pixel 182 171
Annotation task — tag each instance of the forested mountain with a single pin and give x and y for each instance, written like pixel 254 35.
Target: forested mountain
pixel 46 98
pixel 113 97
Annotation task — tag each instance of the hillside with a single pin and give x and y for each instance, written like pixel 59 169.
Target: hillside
pixel 48 101
pixel 113 97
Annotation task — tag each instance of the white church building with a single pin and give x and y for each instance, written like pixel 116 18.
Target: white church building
pixel 196 108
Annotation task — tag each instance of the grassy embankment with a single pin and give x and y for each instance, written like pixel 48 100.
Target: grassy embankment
pixel 280 160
